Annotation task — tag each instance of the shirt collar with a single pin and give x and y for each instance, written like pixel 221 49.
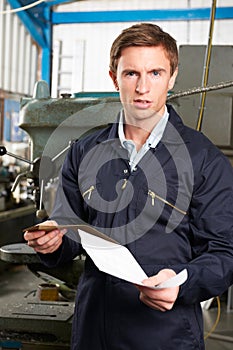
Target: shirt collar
pixel 155 135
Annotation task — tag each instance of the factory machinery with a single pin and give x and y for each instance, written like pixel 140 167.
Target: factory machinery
pixel 53 124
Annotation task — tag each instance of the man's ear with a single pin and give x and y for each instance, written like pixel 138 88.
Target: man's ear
pixel 114 79
pixel 172 79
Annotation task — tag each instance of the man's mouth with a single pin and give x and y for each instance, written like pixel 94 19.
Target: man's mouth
pixel 139 103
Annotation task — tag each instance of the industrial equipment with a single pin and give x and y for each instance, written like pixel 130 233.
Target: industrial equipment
pixel 52 124
pixel 218 112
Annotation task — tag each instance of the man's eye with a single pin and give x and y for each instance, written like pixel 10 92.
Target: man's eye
pixel 155 73
pixel 131 74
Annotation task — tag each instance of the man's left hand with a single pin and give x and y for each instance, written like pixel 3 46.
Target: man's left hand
pixel 161 299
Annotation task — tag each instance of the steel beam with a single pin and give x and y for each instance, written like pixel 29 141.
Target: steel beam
pixel 140 15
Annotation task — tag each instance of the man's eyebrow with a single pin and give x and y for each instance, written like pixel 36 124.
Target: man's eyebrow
pixel 126 70
pixel 158 69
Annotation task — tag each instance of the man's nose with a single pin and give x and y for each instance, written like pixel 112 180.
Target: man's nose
pixel 142 86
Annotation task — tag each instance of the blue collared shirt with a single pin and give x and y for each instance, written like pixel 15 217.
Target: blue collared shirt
pixel 151 142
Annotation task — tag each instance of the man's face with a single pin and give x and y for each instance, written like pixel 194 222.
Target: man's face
pixel 143 78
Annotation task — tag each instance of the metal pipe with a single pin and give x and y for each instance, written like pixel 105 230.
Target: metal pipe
pixel 198 90
pixel 206 66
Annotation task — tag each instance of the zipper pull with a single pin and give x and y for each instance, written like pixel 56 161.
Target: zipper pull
pixel 152 195
pixel 89 192
pixel 124 184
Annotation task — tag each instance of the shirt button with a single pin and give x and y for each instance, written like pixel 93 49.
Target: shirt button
pixel 125 171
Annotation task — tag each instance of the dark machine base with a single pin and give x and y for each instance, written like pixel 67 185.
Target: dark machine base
pixel 43 325
pixel 28 322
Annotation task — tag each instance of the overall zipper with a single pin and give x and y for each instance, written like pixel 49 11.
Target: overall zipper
pixel 92 187
pixel 124 184
pixel 153 195
pixel 89 192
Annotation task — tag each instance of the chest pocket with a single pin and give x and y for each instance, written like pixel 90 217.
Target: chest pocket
pixel 166 209
pixel 91 192
pixel 91 202
pixel 172 204
pixel 103 199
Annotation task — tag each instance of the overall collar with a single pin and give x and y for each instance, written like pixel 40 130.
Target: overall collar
pixel 174 132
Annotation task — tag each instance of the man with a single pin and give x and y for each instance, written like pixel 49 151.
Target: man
pixel 157 186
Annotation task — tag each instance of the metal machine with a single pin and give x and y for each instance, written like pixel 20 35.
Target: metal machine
pixel 52 124
pixel 218 113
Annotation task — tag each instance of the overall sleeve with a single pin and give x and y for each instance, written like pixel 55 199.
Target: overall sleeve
pixel 68 209
pixel 211 224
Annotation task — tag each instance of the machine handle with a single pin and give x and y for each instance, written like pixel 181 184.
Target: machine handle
pixel 3 151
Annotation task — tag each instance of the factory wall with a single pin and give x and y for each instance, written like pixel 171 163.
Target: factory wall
pixel 18 54
pixel 81 51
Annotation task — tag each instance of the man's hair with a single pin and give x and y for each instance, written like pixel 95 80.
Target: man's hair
pixel 144 34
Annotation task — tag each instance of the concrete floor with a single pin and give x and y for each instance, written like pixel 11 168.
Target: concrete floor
pixel 19 285
pixel 222 337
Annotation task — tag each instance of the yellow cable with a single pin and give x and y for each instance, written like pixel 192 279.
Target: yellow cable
pixel 207 64
pixel 217 319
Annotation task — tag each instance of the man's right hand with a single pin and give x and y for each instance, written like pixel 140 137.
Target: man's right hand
pixel 45 242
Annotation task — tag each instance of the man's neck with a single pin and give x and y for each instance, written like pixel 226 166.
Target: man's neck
pixel 139 130
pixel 136 134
